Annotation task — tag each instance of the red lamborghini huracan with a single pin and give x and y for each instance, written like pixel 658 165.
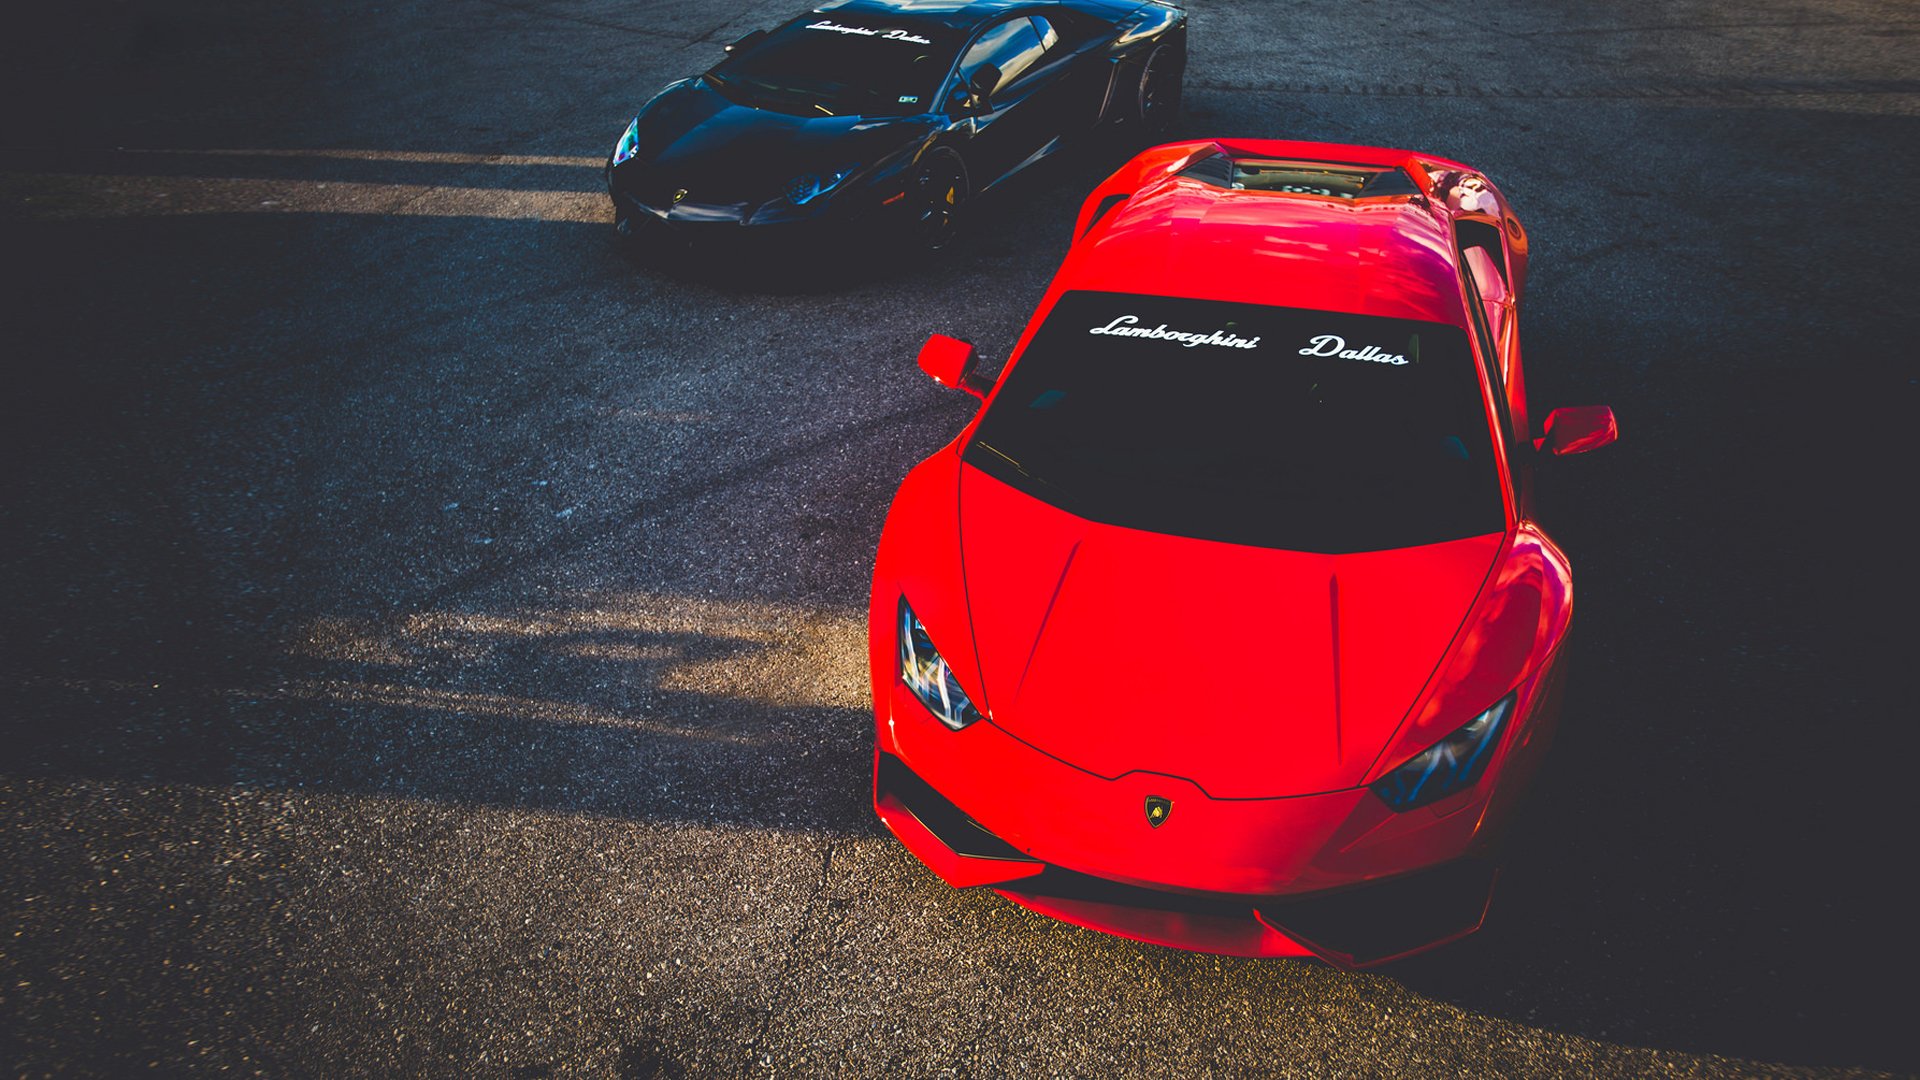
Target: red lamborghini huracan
pixel 1225 624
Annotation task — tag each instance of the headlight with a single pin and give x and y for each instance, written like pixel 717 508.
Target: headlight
pixel 926 674
pixel 629 143
pixel 1448 766
pixel 807 187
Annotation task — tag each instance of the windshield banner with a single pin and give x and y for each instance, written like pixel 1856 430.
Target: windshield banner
pixel 1128 326
pixel 894 34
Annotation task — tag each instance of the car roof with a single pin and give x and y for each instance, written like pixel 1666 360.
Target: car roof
pixel 1177 235
pixel 966 14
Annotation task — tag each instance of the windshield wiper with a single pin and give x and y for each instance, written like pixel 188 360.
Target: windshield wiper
pixel 1015 464
pixel 1003 456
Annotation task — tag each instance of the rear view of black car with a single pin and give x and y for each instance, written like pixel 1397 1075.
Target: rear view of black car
pixel 882 118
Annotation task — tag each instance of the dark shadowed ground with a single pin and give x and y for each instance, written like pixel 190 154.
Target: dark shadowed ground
pixel 434 643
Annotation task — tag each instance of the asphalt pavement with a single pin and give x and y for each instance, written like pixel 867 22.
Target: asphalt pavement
pixel 435 643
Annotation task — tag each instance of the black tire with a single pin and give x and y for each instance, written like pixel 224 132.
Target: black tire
pixel 1157 103
pixel 936 195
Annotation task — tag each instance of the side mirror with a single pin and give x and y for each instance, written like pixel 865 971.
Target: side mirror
pixel 950 361
pixel 981 85
pixel 1578 429
pixel 752 38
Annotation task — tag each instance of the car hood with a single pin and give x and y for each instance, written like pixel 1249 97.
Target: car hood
pixel 696 138
pixel 1253 673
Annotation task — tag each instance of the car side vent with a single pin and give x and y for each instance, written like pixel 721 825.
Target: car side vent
pixel 1100 211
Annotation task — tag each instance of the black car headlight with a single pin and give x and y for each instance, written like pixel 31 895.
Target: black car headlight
pixel 927 674
pixel 629 143
pixel 1449 766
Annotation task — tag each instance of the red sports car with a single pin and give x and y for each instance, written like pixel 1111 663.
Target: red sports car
pixel 1225 624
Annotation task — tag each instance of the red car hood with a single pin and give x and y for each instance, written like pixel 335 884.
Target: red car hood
pixel 1253 673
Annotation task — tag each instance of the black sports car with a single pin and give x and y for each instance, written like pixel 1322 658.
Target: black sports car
pixel 888 114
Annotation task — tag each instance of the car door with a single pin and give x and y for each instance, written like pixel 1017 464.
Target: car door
pixel 1076 40
pixel 1009 124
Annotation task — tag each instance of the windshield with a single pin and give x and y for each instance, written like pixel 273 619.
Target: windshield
pixel 838 66
pixel 1275 427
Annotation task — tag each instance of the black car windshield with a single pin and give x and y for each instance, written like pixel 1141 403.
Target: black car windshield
pixel 840 65
pixel 1275 427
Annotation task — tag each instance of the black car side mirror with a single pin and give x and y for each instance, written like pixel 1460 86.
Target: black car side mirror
pixel 980 86
pixel 752 38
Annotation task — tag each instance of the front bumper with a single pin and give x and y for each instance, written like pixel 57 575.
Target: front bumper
pixel 650 218
pixel 1337 875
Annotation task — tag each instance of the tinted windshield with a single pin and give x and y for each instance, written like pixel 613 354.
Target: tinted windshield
pixel 841 65
pixel 1276 427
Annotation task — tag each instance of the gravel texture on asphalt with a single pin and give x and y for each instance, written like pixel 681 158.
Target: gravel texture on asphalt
pixel 435 643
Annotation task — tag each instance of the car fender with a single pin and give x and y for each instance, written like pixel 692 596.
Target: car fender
pixel 919 558
pixel 1509 636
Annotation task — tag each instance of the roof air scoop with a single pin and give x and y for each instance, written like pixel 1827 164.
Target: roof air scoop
pixel 1323 179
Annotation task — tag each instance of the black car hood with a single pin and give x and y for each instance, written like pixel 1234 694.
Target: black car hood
pixel 694 137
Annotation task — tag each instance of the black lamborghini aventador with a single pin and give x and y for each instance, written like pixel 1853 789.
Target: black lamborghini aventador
pixel 885 116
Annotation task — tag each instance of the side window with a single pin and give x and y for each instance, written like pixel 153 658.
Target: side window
pixel 1488 275
pixel 1485 237
pixel 1049 35
pixel 1486 345
pixel 1484 258
pixel 1012 46
pixel 1483 337
pixel 1073 27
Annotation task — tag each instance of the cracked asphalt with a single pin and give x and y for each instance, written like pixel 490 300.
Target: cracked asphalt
pixel 434 643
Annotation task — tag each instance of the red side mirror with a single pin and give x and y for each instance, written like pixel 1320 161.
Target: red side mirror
pixel 1578 429
pixel 950 361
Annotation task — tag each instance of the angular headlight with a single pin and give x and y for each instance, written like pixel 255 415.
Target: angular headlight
pixel 929 677
pixel 629 143
pixel 1448 766
pixel 807 187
